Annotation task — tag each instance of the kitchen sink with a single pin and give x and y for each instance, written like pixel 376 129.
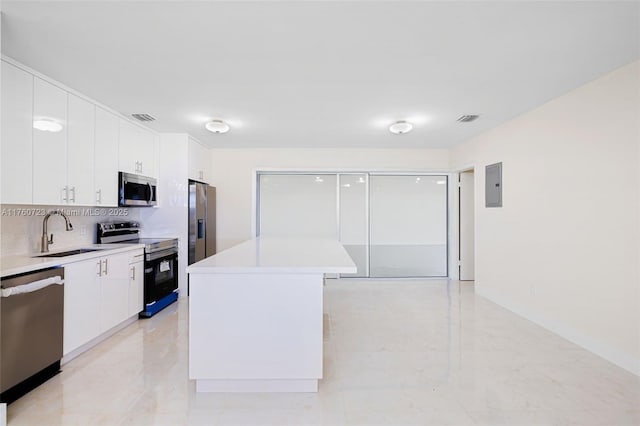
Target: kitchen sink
pixel 69 253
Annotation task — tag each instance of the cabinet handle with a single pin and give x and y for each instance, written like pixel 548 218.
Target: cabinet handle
pixel 133 273
pixel 64 194
pixel 99 196
pixel 73 192
pixel 99 273
pixel 105 271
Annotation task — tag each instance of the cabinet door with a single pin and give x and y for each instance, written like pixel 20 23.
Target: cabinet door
pixel 148 153
pixel 80 151
pixel 114 286
pixel 198 161
pixel 16 136
pixel 81 303
pixel 129 147
pixel 138 149
pixel 136 287
pixel 49 148
pixel 106 159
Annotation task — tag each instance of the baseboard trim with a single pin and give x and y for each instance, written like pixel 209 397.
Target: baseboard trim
pixel 603 350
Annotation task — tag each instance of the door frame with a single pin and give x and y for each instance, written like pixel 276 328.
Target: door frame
pixel 455 237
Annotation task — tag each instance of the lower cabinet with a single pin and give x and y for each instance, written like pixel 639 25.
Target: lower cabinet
pixel 100 294
pixel 136 285
pixel 81 304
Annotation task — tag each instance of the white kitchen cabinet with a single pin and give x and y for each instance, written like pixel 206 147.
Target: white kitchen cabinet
pixel 199 161
pixel 17 135
pixel 99 295
pixel 114 285
pixel 80 151
pixel 137 149
pixel 81 303
pixel 49 148
pixel 136 284
pixel 106 158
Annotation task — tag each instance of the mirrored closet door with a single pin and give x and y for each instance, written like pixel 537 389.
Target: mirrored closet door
pixel 391 225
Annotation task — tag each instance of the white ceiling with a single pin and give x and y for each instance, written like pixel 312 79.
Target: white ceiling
pixel 322 74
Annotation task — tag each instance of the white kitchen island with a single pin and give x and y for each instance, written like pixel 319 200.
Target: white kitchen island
pixel 255 315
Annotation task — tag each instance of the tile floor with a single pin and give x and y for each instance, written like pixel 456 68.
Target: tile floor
pixel 396 353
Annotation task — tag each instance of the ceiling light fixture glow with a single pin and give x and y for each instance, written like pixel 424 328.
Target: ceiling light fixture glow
pixel 217 126
pixel 400 127
pixel 441 182
pixel 47 125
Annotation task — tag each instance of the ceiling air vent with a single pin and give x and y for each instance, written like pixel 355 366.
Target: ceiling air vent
pixel 468 118
pixel 143 117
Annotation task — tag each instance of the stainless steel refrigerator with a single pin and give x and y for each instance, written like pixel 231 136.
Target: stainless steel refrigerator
pixel 202 221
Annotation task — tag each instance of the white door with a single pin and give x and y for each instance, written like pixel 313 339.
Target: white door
pixel 198 161
pixel 148 147
pixel 17 133
pixel 408 226
pixel 106 158
pixel 49 148
pixel 466 227
pixel 80 151
pixel 129 147
pixel 81 303
pixel 136 287
pixel 115 290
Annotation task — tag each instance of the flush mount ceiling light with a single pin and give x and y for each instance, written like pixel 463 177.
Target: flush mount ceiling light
pixel 47 125
pixel 400 127
pixel 217 126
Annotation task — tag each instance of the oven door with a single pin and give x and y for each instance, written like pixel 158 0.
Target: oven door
pixel 160 275
pixel 136 190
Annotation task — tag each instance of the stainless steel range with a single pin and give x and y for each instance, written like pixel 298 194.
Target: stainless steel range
pixel 160 263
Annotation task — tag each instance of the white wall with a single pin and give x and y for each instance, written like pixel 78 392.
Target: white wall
pixel 233 173
pixel 564 249
pixel 171 218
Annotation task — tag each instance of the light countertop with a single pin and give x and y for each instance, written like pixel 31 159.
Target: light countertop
pixel 18 264
pixel 278 255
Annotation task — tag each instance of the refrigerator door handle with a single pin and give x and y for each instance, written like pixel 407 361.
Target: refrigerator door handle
pixel 200 228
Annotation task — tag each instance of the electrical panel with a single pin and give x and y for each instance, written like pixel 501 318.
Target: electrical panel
pixel 493 185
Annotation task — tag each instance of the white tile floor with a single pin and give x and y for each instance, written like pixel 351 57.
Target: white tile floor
pixel 396 353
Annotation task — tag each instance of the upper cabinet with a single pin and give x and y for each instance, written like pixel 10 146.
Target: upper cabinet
pixel 80 151
pixel 138 149
pixel 49 145
pixel 16 136
pixel 59 148
pixel 63 159
pixel 106 158
pixel 199 161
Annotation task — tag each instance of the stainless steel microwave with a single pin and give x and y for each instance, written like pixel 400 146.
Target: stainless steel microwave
pixel 136 190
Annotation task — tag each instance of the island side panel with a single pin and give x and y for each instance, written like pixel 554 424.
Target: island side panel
pixel 255 326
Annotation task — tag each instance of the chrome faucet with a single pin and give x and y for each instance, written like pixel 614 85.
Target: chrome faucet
pixel 45 240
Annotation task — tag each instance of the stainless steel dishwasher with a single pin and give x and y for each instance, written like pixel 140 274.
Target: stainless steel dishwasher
pixel 31 327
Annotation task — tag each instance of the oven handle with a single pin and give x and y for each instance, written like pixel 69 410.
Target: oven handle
pixel 31 287
pixel 163 253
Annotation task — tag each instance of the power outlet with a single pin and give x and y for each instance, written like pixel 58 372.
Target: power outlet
pixel 83 230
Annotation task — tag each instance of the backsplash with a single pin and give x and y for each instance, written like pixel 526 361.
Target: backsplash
pixel 21 226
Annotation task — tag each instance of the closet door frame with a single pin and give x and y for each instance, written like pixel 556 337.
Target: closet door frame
pixel 255 199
